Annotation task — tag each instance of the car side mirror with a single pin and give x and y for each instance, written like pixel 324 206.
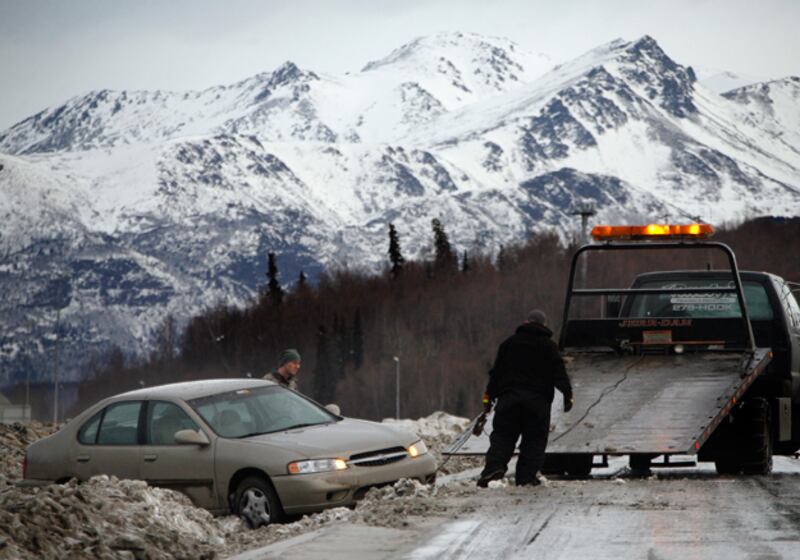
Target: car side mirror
pixel 334 409
pixel 191 437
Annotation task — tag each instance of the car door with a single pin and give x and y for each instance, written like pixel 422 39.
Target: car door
pixel 187 468
pixel 108 443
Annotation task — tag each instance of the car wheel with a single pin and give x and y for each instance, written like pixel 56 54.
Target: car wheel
pixel 256 502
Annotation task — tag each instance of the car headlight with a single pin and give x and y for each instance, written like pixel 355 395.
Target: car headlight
pixel 417 449
pixel 316 466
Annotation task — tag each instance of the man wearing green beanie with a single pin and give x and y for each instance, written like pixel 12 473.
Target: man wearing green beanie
pixel 288 366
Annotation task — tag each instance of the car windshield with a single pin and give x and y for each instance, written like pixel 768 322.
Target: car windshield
pixel 262 410
pixel 701 304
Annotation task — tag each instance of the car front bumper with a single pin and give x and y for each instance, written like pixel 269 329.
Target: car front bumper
pixel 304 493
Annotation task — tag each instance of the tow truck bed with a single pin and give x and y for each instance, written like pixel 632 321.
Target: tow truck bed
pixel 649 404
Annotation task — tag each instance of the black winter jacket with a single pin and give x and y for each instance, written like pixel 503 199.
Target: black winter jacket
pixel 529 361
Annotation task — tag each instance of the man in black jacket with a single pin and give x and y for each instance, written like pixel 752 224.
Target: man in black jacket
pixel 527 369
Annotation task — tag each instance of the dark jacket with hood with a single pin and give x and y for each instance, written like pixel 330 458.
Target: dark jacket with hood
pixel 529 361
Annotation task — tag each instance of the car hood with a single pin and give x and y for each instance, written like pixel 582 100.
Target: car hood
pixel 338 439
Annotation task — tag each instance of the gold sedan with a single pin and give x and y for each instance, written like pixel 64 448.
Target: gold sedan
pixel 244 446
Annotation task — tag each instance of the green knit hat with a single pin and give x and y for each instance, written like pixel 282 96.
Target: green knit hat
pixel 288 355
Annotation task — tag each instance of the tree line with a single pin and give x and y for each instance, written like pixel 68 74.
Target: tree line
pixel 441 318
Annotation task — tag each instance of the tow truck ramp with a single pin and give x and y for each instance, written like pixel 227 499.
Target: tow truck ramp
pixel 644 404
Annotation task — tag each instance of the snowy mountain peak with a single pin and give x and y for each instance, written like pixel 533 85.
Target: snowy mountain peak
pixel 427 48
pixel 660 77
pixel 472 62
pixel 289 72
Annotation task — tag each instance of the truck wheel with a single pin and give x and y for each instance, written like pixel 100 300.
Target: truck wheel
pixel 727 466
pixel 757 458
pixel 256 502
pixel 749 449
pixel 578 466
pixel 640 465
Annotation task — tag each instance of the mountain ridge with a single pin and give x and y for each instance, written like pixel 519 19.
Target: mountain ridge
pixel 169 203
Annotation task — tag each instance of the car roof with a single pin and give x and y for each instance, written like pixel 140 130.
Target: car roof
pixel 188 390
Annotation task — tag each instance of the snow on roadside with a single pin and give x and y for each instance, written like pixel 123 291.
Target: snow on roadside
pixel 111 518
pixel 439 430
pixel 103 518
pixel 14 439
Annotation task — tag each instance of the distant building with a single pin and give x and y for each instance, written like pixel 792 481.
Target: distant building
pixel 10 413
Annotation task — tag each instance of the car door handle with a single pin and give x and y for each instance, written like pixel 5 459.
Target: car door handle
pixel 83 458
pixel 150 457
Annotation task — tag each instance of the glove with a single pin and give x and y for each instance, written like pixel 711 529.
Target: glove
pixel 568 402
pixel 478 428
pixel 487 403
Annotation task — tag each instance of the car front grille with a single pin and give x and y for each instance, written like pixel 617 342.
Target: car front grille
pixel 379 458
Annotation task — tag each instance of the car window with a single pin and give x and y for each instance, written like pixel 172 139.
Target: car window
pixel 163 420
pixel 88 432
pixel 120 424
pixel 700 304
pixel 262 410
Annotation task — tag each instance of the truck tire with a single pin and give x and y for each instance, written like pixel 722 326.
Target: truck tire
pixel 757 458
pixel 749 450
pixel 256 502
pixel 578 466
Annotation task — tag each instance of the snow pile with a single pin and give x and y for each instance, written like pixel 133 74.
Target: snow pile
pixel 439 424
pixel 388 506
pixel 14 439
pixel 111 518
pixel 439 430
pixel 104 518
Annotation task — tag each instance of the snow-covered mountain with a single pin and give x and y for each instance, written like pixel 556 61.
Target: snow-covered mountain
pixel 121 207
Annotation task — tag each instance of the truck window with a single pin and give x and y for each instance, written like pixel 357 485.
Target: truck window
pixel 791 305
pixel 700 304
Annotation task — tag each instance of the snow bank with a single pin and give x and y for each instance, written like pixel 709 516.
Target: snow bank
pixel 437 425
pixel 14 439
pixel 103 518
pixel 439 430
pixel 111 518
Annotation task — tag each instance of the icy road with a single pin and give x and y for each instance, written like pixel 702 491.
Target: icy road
pixel 677 513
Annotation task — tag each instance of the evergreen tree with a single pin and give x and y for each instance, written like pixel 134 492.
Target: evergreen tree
pixel 166 340
pixel 395 256
pixel 323 380
pixel 358 341
pixel 341 348
pixel 465 266
pixel 445 260
pixel 274 290
pixel 501 263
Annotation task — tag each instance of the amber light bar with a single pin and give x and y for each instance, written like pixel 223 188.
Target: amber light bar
pixel 653 231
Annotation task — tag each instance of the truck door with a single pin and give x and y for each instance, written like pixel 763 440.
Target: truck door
pixel 792 310
pixel 187 468
pixel 108 442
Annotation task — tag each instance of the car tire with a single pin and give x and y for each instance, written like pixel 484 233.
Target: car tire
pixel 256 502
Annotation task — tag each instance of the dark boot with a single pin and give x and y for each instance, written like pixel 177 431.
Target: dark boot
pixel 487 477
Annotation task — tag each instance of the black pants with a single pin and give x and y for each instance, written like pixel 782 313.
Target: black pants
pixel 525 414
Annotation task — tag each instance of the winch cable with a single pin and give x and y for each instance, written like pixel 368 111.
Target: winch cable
pixel 460 441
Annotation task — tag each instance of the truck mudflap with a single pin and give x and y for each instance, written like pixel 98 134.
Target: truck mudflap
pixel 650 404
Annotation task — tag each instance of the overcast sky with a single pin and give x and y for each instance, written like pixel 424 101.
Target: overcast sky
pixel 52 50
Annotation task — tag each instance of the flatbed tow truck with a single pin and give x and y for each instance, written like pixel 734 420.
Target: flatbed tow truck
pixel 698 363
